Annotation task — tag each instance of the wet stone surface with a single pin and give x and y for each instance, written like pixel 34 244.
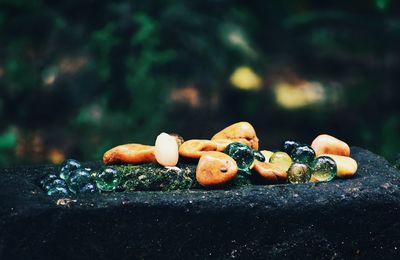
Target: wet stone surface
pixel 341 219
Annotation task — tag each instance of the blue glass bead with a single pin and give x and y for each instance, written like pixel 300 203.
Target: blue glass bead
pixel 88 188
pixel 57 191
pixel 78 179
pixel 67 167
pixel 288 146
pixel 303 154
pixel 55 183
pixel 108 179
pixel 242 154
pixel 48 178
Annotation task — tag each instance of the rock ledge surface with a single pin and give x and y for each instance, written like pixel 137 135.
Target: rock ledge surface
pixel 353 218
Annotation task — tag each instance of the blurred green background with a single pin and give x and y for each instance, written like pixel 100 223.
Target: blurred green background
pixel 79 77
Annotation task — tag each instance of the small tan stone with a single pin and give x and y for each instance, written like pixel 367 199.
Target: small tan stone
pixel 166 150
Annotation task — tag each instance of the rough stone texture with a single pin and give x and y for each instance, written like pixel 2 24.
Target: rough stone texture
pixel 353 218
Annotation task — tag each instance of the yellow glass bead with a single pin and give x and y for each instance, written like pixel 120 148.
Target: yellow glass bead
pixel 282 160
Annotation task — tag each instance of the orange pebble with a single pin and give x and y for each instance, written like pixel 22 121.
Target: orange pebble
pixel 195 148
pixel 130 153
pixel 215 168
pixel 269 171
pixel 326 144
pixel 242 132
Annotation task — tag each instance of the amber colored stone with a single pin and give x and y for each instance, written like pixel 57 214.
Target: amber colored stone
pixel 299 173
pixel 269 171
pixel 326 144
pixel 195 148
pixel 242 132
pixel 130 153
pixel 215 168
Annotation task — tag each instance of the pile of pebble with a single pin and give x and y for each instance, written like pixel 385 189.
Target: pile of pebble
pixel 232 152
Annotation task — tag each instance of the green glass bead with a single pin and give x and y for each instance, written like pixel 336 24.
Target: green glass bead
pixel 108 179
pixel 299 173
pixel 242 154
pixel 78 179
pixel 67 167
pixel 57 191
pixel 259 156
pixel 323 168
pixel 282 160
pixel 303 154
pixel 288 146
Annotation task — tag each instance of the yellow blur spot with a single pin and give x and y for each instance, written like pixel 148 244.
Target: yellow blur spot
pixel 56 156
pixel 292 96
pixel 245 78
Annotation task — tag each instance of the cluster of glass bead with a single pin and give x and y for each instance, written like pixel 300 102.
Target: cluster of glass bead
pixel 298 160
pixel 73 178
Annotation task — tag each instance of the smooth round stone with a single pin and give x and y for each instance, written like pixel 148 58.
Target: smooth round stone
pixel 48 178
pixel 303 154
pixel 67 167
pixel 57 191
pixel 55 183
pixel 242 154
pixel 289 145
pixel 323 169
pixel 78 179
pixel 259 156
pixel 88 188
pixel 108 179
pixel 281 160
pixel 299 173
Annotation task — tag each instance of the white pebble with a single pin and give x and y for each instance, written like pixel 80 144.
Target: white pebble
pixel 166 150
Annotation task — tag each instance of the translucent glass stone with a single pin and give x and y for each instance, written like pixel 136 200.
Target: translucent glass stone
pixel 259 156
pixel 282 160
pixel 78 179
pixel 323 169
pixel 88 188
pixel 57 191
pixel 242 154
pixel 48 178
pixel 303 154
pixel 67 167
pixel 55 183
pixel 299 173
pixel 288 146
pixel 108 179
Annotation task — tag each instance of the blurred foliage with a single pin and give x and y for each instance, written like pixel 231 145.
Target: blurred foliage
pixel 78 77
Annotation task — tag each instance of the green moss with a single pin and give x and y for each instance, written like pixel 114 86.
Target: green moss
pixel 153 177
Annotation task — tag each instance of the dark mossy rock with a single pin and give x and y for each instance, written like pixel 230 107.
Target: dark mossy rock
pixel 353 218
